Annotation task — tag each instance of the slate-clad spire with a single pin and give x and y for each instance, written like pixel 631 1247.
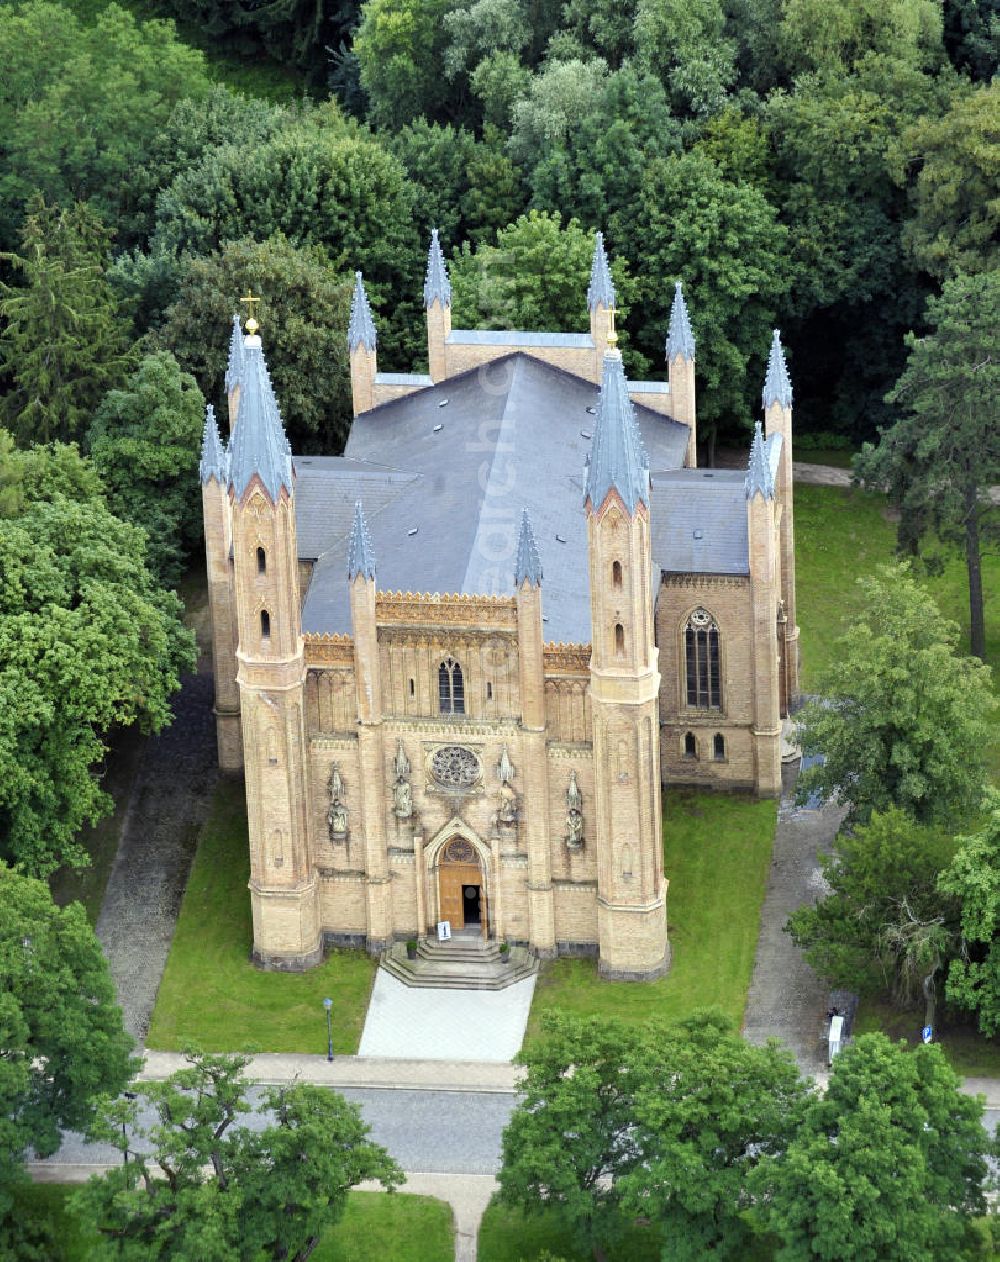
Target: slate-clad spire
pixel 618 460
pixel 437 286
pixel 601 290
pixel 259 445
pixel 234 368
pixel 214 458
pixel 361 326
pixel 360 553
pixel 680 339
pixel 759 479
pixel 529 565
pixel 777 384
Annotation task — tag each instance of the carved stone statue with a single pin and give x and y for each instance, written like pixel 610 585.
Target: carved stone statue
pixel 574 814
pixel 402 794
pixel 508 812
pixel 337 814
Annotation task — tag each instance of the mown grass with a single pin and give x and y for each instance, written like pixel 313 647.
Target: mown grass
pixel 213 996
pixel 717 852
pixel 375 1225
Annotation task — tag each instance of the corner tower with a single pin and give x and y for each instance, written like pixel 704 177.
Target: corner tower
pixel 777 402
pixel 680 372
pixel 437 301
pixel 600 303
pixel 624 686
pixel 361 343
pixel 271 674
pixel 764 597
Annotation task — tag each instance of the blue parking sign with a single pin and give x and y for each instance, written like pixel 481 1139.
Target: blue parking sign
pixel 927 1033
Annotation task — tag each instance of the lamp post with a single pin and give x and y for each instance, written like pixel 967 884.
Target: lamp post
pixel 328 1005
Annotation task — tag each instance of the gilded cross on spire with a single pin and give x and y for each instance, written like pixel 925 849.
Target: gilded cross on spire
pixel 249 301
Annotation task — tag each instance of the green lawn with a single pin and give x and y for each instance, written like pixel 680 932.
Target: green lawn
pixel 213 996
pixel 375 1225
pixel 969 1052
pixel 717 852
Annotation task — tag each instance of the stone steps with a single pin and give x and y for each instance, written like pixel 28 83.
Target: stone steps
pixel 462 965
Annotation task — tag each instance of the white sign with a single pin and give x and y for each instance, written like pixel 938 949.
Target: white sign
pixel 836 1035
pixel 444 931
pixel 927 1033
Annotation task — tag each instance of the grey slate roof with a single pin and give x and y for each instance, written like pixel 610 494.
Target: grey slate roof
pixel 511 337
pixel 680 339
pixel 759 477
pixel 618 460
pixel 777 384
pixel 529 565
pixel 259 446
pixel 698 522
pixel 601 289
pixel 361 326
pixel 437 286
pixel 214 457
pixel 235 365
pixel 360 552
pixel 447 517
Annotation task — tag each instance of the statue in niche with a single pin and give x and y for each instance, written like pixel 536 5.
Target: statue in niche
pixel 402 793
pixel 574 814
pixel 507 811
pixel 337 814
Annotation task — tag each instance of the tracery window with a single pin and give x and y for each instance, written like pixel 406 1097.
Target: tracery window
pixel 701 642
pixel 451 687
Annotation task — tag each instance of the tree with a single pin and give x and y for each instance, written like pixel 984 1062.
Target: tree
pixel 889 1164
pixel 974 879
pixel 400 47
pixel 618 1124
pixel 84 102
pixel 953 171
pixel 60 1028
pixel 225 1190
pixel 145 442
pixel 817 36
pixel 904 720
pixel 884 921
pixel 941 459
pixel 87 641
pixel 61 342
pixel 303 316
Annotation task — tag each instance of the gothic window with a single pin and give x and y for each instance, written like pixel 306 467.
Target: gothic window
pixel 413 687
pixel 451 688
pixel 619 640
pixel 701 644
pixel 690 746
pixel 261 561
pixel 616 573
pixel 265 625
pixel 719 747
pixel 489 691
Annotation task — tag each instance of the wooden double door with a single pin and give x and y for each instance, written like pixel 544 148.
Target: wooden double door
pixel 461 889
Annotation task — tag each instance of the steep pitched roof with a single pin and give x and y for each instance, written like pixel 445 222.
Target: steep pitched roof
pixel 259 446
pixel 618 460
pixel 214 457
pixel 680 339
pixel 235 365
pixel 360 552
pixel 361 326
pixel 777 383
pixel 528 566
pixel 436 284
pixel 760 477
pixel 698 522
pixel 601 289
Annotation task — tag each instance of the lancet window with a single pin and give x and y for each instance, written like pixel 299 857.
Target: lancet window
pixel 701 643
pixel 451 687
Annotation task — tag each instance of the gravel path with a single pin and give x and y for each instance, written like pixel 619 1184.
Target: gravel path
pixel 168 804
pixel 787 1000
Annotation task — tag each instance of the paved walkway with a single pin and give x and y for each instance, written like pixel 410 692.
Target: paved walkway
pixel 409 1022
pixel 168 803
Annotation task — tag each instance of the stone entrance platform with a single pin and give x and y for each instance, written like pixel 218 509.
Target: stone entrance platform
pixel 464 963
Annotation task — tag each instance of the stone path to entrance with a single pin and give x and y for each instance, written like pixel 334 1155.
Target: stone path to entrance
pixel 422 1024
pixel 168 804
pixel 787 1000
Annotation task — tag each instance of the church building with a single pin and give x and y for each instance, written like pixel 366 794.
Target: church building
pixel 457 663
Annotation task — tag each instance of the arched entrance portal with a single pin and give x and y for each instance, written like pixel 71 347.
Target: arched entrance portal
pixel 462 888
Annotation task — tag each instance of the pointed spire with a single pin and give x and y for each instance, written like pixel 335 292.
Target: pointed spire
pixel 777 384
pixel 236 358
pixel 601 289
pixel 360 553
pixel 759 479
pixel 259 445
pixel 361 326
pixel 680 339
pixel 528 567
pixel 437 286
pixel 214 457
pixel 618 460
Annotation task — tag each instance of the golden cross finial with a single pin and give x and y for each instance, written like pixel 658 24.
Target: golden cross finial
pixel 612 331
pixel 250 302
